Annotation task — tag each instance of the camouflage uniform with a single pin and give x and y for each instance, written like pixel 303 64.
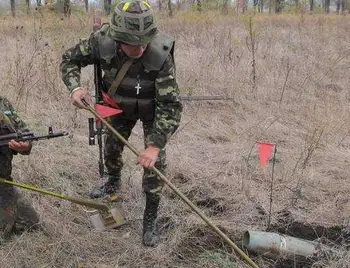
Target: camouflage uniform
pixel 159 122
pixel 148 91
pixel 14 214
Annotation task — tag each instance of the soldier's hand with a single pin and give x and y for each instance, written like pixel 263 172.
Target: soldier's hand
pixel 148 157
pixel 22 146
pixel 78 95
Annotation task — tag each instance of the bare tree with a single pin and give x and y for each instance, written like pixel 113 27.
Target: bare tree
pixel 86 5
pixel 13 8
pixel 199 5
pixel 326 6
pixel 66 8
pixel 278 6
pixel 178 4
pixel 107 6
pixel 244 6
pixel 255 4
pixel 342 6
pixel 297 5
pixel 261 6
pixel 170 8
pixel 241 6
pixel 225 7
pixel 28 6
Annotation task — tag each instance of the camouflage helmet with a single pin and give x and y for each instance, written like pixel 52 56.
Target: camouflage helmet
pixel 133 22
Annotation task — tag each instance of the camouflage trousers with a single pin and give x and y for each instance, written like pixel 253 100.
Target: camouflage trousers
pixel 16 214
pixel 114 149
pixel 8 210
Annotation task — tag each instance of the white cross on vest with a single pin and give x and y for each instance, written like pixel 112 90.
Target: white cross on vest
pixel 138 87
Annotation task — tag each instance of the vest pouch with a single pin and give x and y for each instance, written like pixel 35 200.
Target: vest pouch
pixel 146 109
pixel 128 106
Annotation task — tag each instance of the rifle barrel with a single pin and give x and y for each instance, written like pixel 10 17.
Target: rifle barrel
pixel 28 136
pixel 49 136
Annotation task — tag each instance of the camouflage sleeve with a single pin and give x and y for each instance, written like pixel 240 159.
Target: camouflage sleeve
pixel 16 122
pixel 168 107
pixel 73 60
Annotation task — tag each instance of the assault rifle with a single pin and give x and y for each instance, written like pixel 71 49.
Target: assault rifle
pixel 29 136
pixel 99 131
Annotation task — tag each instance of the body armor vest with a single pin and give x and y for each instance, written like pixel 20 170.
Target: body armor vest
pixel 136 92
pixel 6 153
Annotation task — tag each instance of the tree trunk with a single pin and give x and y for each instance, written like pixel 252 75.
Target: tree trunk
pixel 255 5
pixel 326 6
pixel 311 5
pixel 170 8
pixel 28 6
pixel 337 4
pixel 296 3
pixel 199 5
pixel 38 3
pixel 244 6
pixel 225 7
pixel 13 8
pixel 159 5
pixel 66 8
pixel 86 5
pixel 261 6
pixel 342 6
pixel 278 6
pixel 178 4
pixel 107 6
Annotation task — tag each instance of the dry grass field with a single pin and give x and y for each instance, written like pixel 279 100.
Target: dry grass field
pixel 296 96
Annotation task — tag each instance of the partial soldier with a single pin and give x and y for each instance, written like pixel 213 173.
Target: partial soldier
pixel 16 214
pixel 131 49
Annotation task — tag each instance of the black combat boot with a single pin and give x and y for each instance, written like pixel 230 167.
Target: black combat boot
pixel 150 234
pixel 110 187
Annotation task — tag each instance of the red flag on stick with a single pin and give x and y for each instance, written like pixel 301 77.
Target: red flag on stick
pixel 105 111
pixel 265 150
pixel 108 100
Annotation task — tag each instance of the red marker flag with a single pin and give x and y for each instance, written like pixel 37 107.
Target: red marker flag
pixel 105 111
pixel 108 100
pixel 265 150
